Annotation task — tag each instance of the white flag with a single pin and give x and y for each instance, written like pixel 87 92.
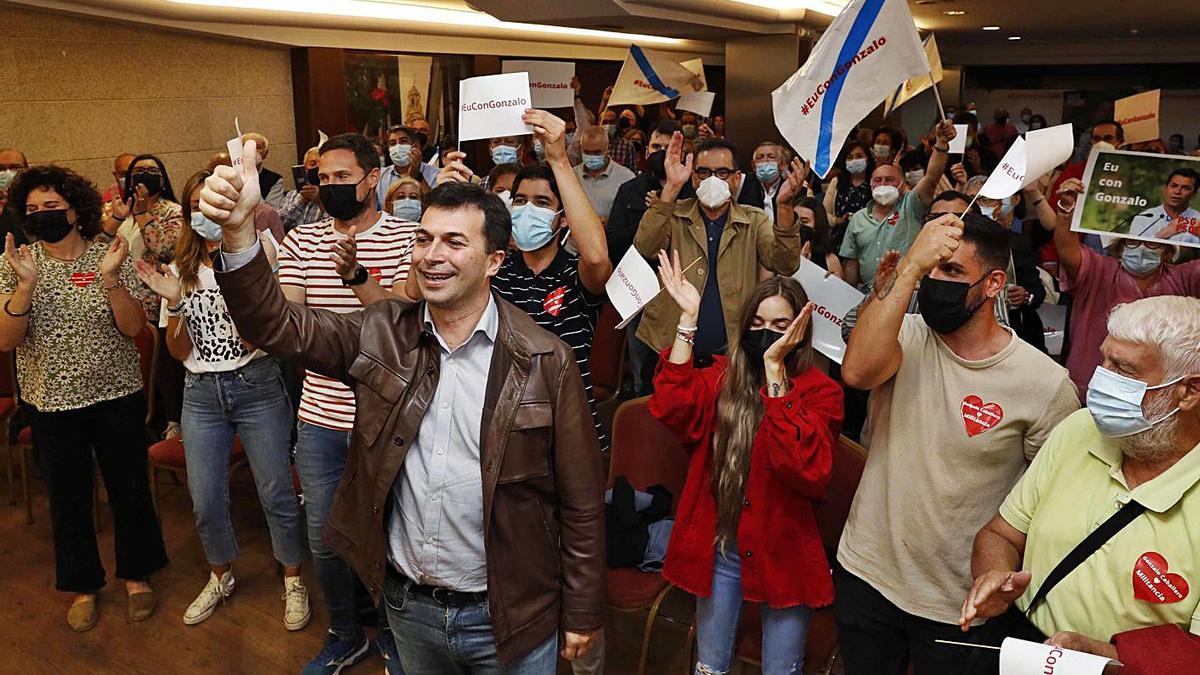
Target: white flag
pixel 632 285
pixel 918 83
pixel 1028 159
pixel 652 77
pixel 833 299
pixel 869 49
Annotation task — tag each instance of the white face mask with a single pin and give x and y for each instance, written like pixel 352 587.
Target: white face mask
pixel 1104 145
pixel 885 195
pixel 713 192
pixel 913 177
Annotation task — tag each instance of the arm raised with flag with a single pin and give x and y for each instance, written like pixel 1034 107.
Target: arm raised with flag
pixel 927 187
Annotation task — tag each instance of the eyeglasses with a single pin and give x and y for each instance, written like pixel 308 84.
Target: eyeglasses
pixel 722 173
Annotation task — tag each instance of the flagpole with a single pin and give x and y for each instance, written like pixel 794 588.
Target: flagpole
pixel 971 204
pixel 937 95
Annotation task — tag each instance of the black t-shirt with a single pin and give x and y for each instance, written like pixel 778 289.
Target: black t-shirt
pixel 558 302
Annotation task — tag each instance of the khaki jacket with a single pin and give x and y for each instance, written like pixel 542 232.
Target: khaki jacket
pixel 749 240
pixel 543 482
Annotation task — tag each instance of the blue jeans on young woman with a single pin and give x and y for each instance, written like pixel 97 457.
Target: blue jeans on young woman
pixel 320 462
pixel 252 403
pixel 434 638
pixel 784 630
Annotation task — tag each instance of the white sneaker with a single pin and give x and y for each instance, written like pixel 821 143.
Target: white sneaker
pixel 214 593
pixel 295 604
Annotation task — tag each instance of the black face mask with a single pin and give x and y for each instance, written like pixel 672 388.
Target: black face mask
pixel 623 123
pixel 341 201
pixel 943 303
pixel 756 342
pixel 656 165
pixel 152 181
pixel 48 226
pixel 310 176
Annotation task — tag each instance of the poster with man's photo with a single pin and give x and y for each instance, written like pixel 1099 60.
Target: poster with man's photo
pixel 1139 195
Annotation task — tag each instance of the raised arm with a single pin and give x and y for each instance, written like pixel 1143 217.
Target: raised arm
pixel 20 280
pixel 927 186
pixel 873 354
pixel 779 245
pixel 653 233
pixel 586 228
pixel 322 341
pixel 119 282
pixel 1070 250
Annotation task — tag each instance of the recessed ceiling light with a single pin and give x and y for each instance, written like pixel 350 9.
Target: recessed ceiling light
pixel 991 27
pixel 954 12
pixel 1014 37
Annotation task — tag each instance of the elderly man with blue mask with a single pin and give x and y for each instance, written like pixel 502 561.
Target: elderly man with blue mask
pixel 403 159
pixel 600 175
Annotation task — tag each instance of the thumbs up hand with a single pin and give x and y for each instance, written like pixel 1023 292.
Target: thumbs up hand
pixel 229 198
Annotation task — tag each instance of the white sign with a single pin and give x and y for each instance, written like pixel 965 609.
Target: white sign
pixel 699 102
pixel 649 77
pixel 959 144
pixel 549 82
pixel 234 147
pixel 1028 159
pixel 833 298
pixel 492 105
pixel 1020 657
pixel 1138 115
pixel 697 67
pixel 632 285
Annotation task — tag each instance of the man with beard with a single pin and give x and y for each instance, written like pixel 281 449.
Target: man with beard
pixel 959 405
pixel 1114 488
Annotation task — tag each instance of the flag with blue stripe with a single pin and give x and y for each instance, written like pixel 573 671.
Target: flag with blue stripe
pixel 649 77
pixel 871 48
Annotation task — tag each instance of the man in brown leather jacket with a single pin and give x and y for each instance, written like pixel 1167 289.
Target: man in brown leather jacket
pixel 473 495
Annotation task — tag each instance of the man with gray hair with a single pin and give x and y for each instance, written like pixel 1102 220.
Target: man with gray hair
pixel 600 175
pixel 1106 514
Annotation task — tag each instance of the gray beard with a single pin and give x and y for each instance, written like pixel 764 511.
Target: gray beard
pixel 1158 442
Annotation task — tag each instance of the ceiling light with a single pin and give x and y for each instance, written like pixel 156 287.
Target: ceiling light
pixel 366 9
pixel 991 27
pixel 1014 37
pixel 830 7
pixel 954 12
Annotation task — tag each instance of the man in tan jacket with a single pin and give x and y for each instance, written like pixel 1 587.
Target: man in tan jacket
pixel 471 488
pixel 723 244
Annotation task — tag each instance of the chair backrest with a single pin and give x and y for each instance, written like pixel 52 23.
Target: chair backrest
pixel 646 452
pixel 608 348
pixel 849 458
pixel 8 375
pixel 147 346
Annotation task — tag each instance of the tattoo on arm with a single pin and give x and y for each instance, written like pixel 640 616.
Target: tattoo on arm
pixel 889 282
pixel 775 389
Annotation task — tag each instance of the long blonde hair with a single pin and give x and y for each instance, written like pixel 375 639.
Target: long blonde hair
pixel 740 407
pixel 191 251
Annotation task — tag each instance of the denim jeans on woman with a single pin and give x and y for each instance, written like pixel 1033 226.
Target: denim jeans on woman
pixel 784 630
pixel 252 403
pixel 435 638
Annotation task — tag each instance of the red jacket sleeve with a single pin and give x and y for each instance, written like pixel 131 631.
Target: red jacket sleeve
pixel 1156 650
pixel 685 398
pixel 799 431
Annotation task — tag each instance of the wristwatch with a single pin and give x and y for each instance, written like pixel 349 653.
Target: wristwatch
pixel 359 278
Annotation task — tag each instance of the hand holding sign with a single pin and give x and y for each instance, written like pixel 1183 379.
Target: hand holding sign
pixel 454 170
pixel 936 243
pixel 793 185
pixel 551 131
pixel 229 197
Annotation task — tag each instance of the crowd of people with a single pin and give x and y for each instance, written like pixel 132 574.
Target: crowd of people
pixel 413 337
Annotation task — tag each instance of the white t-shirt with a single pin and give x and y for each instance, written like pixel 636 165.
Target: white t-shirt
pixel 216 345
pixel 385 249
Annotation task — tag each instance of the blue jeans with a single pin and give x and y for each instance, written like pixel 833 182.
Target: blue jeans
pixel 252 403
pixel 784 630
pixel 434 639
pixel 320 461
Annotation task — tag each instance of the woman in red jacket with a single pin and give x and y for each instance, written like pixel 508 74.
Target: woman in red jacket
pixel 761 427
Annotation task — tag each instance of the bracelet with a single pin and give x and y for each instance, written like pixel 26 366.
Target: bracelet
pixel 938 147
pixel 135 213
pixel 1064 210
pixel 689 338
pixel 174 311
pixel 682 327
pixel 13 314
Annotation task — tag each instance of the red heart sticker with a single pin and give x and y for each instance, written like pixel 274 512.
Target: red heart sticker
pixel 83 279
pixel 1152 583
pixel 894 218
pixel 978 416
pixel 376 274
pixel 554 301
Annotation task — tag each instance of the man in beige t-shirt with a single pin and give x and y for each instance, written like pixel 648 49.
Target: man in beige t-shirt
pixel 959 405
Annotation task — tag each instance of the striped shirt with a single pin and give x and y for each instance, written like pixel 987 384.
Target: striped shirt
pixel 305 263
pixel 558 302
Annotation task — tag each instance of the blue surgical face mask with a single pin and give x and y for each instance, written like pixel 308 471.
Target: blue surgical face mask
pixel 504 154
pixel 767 172
pixel 1007 206
pixel 407 209
pixel 987 211
pixel 204 227
pixel 1140 260
pixel 538 148
pixel 532 226
pixel 1115 402
pixel 593 162
pixel 401 154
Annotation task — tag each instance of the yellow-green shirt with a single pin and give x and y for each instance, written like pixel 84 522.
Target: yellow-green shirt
pixel 1146 575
